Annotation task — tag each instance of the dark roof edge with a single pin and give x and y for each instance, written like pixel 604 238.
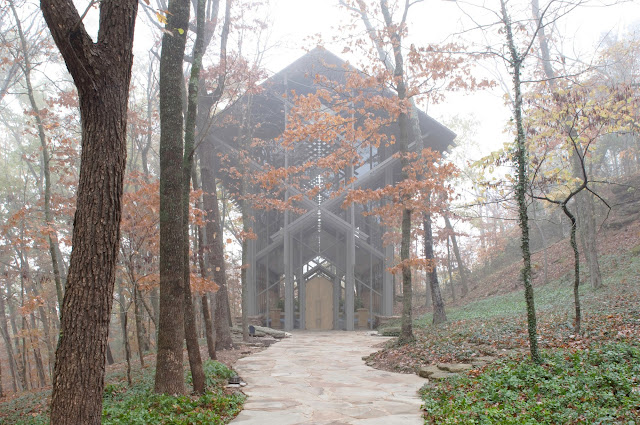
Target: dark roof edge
pixel 321 52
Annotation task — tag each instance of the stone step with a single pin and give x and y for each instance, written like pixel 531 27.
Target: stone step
pixel 427 371
pixel 434 373
pixel 454 367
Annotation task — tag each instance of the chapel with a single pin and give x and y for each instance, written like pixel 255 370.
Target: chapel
pixel 320 265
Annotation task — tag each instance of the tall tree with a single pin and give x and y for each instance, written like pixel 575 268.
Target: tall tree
pixel 395 33
pixel 101 71
pixel 515 59
pixel 195 360
pixel 169 377
pixel 404 71
pixel 570 123
pixel 585 204
pixel 215 261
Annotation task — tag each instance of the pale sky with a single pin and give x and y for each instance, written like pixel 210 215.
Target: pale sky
pixel 432 21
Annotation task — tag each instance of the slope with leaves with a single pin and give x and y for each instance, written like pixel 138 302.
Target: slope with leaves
pixel 490 320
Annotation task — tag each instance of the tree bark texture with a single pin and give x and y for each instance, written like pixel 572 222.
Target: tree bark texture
pixel 439 315
pixel 169 370
pixel 193 348
pixel 522 182
pixel 101 72
pixel 576 269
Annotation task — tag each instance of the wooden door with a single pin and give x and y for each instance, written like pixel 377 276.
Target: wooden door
pixel 319 304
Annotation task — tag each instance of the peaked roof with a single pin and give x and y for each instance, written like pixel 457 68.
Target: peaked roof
pixel 267 110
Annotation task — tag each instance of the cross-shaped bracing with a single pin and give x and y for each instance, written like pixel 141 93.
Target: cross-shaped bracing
pixel 312 207
pixel 321 227
pixel 316 217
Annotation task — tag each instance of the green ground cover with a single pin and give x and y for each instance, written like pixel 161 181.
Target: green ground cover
pixel 596 386
pixel 591 378
pixel 139 405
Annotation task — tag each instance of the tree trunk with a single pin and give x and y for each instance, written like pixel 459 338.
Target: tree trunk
pixel 453 289
pixel 522 182
pixel 1 392
pixel 25 276
pixel 428 299
pixel 587 222
pixel 585 207
pixel 169 370
pixel 19 359
pixel 205 273
pixel 13 365
pixel 439 315
pixel 26 367
pixel 193 349
pixel 576 269
pixel 215 249
pixel 127 348
pixel 243 271
pixel 101 72
pixel 214 232
pixel 208 324
pixel 125 334
pixel 406 332
pixel 37 355
pixel 154 313
pixel 109 355
pixel 140 329
pixel 456 251
pixel 33 292
pixel 47 338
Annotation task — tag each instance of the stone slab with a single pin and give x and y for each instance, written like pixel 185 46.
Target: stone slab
pixel 320 378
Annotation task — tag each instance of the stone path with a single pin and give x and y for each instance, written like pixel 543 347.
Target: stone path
pixel 320 378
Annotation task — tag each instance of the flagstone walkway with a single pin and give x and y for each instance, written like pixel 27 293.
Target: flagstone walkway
pixel 320 378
